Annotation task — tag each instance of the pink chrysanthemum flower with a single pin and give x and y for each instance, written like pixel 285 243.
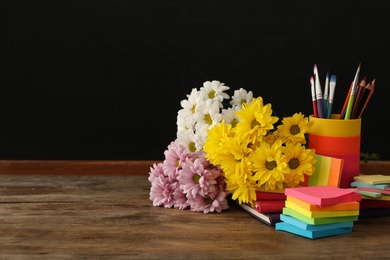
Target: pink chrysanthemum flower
pixel 195 178
pixel 181 201
pixel 219 203
pixel 214 203
pixel 155 172
pixel 174 156
pixel 162 192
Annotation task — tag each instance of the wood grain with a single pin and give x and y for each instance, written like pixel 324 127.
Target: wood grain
pixel 65 167
pixel 111 217
pixel 375 167
pixel 103 167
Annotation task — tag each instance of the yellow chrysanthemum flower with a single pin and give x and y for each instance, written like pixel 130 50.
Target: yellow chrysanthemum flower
pixel 300 162
pixel 242 189
pixel 271 137
pixel 255 120
pixel 214 143
pixel 293 129
pixel 269 165
pixel 234 157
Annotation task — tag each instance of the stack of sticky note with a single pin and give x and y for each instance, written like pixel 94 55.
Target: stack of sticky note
pixel 375 191
pixel 319 211
pixel 372 186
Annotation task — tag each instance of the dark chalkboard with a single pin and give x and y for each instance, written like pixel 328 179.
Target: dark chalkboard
pixel 104 79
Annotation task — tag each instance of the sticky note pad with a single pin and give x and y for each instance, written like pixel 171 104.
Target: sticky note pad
pixel 371 194
pixel 312 234
pixel 328 171
pixel 296 222
pixel 323 195
pixel 317 221
pixel 374 186
pixel 321 214
pixel 353 205
pixel 373 179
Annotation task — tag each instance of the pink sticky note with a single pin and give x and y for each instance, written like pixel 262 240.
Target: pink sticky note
pixel 323 195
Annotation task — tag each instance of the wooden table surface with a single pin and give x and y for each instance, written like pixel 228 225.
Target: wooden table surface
pixel 55 216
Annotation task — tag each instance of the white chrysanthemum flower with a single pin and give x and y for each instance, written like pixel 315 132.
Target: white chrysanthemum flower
pixel 190 140
pixel 211 113
pixel 229 116
pixel 189 114
pixel 211 117
pixel 201 133
pixel 185 124
pixel 215 90
pixel 241 96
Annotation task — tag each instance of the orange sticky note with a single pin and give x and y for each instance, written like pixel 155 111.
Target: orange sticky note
pixel 353 205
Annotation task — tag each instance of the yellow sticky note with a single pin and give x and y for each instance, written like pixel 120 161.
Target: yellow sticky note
pixel 373 179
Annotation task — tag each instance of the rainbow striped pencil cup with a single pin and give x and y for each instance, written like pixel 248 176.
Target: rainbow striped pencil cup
pixel 338 138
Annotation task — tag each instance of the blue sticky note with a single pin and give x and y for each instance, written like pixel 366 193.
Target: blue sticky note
pixel 312 234
pixel 376 186
pixel 303 225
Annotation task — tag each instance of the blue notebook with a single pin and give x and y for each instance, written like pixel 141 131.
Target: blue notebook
pixel 312 234
pixel 303 225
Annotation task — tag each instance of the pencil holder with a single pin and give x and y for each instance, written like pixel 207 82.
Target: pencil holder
pixel 338 138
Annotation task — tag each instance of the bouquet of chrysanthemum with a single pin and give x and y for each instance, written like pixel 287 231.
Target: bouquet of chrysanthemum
pixel 234 150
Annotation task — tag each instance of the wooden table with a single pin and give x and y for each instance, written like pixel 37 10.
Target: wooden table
pixel 111 217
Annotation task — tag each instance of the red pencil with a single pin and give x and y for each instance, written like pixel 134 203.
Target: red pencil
pixel 313 97
pixel 370 88
pixel 359 95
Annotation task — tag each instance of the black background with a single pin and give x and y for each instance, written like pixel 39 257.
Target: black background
pixel 104 79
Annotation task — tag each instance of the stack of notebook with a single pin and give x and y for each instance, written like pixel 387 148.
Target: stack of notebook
pixel 270 202
pixel 319 211
pixel 375 191
pixel 267 207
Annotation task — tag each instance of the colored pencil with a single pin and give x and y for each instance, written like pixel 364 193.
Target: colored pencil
pixel 352 95
pixel 313 97
pixel 332 87
pixel 370 88
pixel 342 113
pixel 359 94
